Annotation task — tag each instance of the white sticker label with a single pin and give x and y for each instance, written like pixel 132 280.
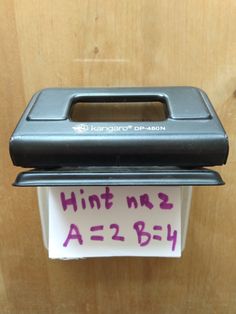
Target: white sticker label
pixel 114 221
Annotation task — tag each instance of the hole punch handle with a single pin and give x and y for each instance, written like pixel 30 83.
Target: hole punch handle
pixel 190 136
pixel 183 103
pixel 121 110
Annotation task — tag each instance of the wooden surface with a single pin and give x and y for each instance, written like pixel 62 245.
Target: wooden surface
pixel 118 43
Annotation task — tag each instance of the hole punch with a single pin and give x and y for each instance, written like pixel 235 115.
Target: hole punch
pixel 172 126
pixel 119 137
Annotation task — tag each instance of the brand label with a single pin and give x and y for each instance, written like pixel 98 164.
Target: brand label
pixel 83 128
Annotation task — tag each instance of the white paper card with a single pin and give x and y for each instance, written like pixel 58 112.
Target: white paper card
pixel 114 221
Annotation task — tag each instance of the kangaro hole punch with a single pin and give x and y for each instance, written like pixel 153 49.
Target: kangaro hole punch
pixel 119 137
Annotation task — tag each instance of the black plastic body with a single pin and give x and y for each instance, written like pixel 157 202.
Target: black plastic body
pixel 191 136
pixel 122 176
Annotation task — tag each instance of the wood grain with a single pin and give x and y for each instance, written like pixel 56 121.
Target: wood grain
pixel 118 43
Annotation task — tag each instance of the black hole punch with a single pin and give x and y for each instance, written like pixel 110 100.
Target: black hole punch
pixel 118 109
pixel 191 134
